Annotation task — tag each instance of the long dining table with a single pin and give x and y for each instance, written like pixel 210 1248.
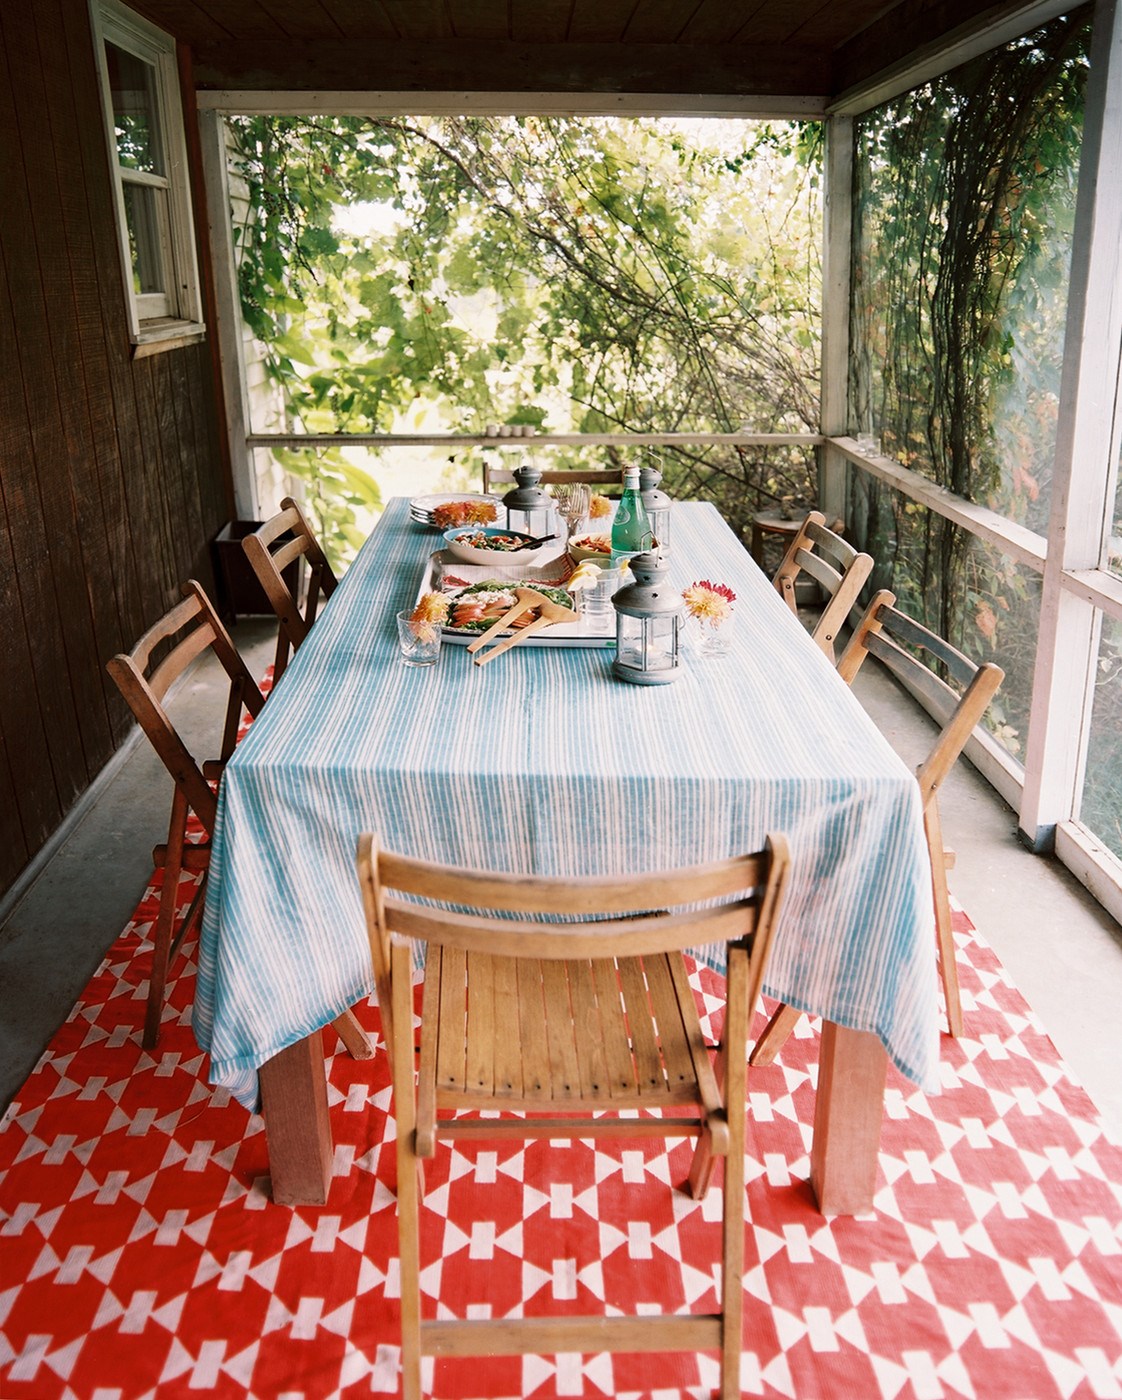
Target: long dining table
pixel 544 762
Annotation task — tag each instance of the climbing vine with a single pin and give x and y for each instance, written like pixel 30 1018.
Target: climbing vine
pixel 963 212
pixel 595 275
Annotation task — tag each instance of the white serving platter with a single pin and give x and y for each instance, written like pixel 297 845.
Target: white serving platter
pixel 591 630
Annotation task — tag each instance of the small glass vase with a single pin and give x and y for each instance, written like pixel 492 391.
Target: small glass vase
pixel 712 640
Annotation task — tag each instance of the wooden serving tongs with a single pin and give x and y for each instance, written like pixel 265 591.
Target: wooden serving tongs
pixel 549 612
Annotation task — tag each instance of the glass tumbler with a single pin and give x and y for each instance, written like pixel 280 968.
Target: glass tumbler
pixel 418 642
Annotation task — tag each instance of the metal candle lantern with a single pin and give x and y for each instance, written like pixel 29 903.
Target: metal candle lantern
pixel 657 504
pixel 528 508
pixel 648 618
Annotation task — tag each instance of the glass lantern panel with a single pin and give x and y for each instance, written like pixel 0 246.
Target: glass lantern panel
pixel 536 521
pixel 647 643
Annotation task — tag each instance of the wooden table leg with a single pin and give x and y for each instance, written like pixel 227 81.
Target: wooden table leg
pixel 297 1128
pixel 847 1118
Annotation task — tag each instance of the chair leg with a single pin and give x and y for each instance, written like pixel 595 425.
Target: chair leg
pixel 165 921
pixel 735 1094
pixel 701 1165
pixel 354 1038
pixel 409 1180
pixel 409 1249
pixel 948 967
pixel 774 1036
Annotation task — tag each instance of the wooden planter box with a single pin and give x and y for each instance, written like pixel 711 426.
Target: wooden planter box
pixel 239 593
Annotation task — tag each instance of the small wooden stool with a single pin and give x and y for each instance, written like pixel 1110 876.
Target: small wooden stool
pixel 772 523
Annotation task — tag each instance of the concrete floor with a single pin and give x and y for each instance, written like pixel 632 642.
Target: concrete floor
pixel 1061 949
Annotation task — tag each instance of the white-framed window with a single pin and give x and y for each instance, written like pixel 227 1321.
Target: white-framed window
pixel 148 159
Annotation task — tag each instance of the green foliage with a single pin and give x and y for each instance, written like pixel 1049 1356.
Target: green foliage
pixel 963 217
pixel 597 275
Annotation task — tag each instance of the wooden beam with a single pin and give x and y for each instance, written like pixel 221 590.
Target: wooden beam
pixel 228 316
pixel 833 470
pixel 1018 542
pixel 503 103
pixel 467 65
pixel 531 442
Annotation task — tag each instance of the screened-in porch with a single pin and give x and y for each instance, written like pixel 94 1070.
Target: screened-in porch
pixel 956 418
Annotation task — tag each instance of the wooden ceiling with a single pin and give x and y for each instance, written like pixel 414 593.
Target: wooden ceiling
pixel 773 49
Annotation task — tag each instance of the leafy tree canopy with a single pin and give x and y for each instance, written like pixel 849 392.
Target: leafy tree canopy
pixel 578 275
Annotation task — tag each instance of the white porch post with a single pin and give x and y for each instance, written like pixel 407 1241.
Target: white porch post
pixel 212 132
pixel 1086 451
pixel 833 467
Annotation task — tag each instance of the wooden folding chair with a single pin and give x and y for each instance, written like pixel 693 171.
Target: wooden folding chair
pixel 959 701
pixel 286 538
pixel 501 476
pixel 834 564
pixel 143 677
pixel 559 1021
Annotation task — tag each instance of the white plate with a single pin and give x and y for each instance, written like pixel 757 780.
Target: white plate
pixel 421 507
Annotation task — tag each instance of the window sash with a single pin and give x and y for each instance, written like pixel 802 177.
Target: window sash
pixel 139 77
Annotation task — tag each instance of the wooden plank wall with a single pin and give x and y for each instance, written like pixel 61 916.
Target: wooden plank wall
pixel 111 477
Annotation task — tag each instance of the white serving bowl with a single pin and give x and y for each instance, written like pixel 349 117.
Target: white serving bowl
pixel 578 551
pixel 454 541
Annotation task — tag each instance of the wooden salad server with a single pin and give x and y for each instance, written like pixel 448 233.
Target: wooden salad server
pixel 548 613
pixel 527 598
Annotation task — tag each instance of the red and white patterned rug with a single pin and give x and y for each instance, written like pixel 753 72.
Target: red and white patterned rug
pixel 140 1254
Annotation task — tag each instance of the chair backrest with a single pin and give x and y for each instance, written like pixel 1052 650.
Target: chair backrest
pixel 834 564
pixel 602 917
pixel 144 674
pixel 285 538
pixel 501 476
pixel 959 700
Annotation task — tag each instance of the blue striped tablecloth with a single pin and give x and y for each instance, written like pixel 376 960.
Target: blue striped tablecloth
pixel 543 762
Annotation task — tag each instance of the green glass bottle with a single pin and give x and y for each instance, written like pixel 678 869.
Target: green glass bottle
pixel 631 530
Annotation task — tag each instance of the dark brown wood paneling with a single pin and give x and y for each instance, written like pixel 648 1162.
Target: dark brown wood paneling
pixel 665 21
pixel 112 480
pixel 304 19
pixel 466 65
pixel 35 505
pixel 599 21
pixel 29 800
pixel 60 411
pixel 185 19
pixel 364 19
pixel 542 21
pixel 480 19
pixel 418 19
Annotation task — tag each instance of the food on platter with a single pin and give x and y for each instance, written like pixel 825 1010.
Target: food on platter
pixel 455 508
pixel 595 547
pixel 597 544
pixel 477 607
pixel 587 574
pixel 491 547
pixel 490 539
pixel 469 512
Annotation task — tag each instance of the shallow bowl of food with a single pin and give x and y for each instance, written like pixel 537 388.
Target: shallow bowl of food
pixel 598 548
pixel 493 548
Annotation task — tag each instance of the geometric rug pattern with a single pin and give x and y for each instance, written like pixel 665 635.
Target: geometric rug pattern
pixel 141 1256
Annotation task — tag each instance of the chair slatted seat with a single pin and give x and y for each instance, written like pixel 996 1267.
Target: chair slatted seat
pixel 559 1020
